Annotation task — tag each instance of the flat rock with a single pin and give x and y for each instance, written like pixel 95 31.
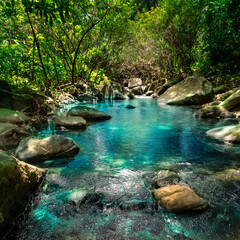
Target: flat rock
pixel 18 182
pixel 179 198
pixel 10 116
pixel 229 134
pixel 193 90
pixel 89 114
pixel 69 122
pixel 32 150
pixel 211 112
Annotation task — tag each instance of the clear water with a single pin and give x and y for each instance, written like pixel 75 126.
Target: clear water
pixel 118 159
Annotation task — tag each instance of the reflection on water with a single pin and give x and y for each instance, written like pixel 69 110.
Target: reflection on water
pixel 105 191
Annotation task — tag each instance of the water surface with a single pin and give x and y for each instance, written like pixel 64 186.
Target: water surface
pixel 117 161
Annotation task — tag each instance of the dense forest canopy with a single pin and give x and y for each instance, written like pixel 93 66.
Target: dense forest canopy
pixel 44 43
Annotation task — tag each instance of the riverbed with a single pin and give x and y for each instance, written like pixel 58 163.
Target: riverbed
pixel 105 192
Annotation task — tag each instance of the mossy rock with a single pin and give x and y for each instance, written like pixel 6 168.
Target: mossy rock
pixel 220 89
pixel 169 84
pixel 229 175
pixel 233 101
pixel 213 112
pixel 10 116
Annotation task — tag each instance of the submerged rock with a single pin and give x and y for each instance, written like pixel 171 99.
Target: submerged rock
pixel 130 107
pixel 90 114
pixel 229 134
pixel 229 175
pixel 193 90
pixel 166 177
pixel 133 205
pixel 10 116
pixel 179 198
pixel 69 122
pixel 18 182
pixel 32 150
pixel 210 112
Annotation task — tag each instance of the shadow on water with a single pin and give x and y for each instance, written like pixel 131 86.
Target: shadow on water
pixel 105 192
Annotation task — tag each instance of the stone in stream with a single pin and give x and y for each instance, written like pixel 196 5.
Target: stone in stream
pixel 193 90
pixel 211 112
pixel 88 113
pixel 18 182
pixel 179 198
pixel 229 175
pixel 134 82
pixel 10 135
pixel 69 122
pixel 229 134
pixel 32 150
pixel 130 107
pixel 10 116
pixel 166 177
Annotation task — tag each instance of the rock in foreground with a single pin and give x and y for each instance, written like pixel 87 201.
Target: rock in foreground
pixel 179 198
pixel 32 150
pixel 229 134
pixel 193 90
pixel 89 114
pixel 10 116
pixel 69 122
pixel 18 182
pixel 211 112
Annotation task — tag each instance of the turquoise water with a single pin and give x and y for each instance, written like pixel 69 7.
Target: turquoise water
pixel 115 166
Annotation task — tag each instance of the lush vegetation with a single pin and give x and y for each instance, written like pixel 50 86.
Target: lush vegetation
pixel 44 43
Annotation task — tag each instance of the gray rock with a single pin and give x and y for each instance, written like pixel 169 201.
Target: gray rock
pixel 69 122
pixel 130 107
pixel 193 90
pixel 33 150
pixel 89 114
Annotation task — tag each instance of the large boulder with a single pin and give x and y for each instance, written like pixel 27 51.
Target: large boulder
pixel 10 135
pixel 115 91
pixel 193 90
pixel 32 150
pixel 88 113
pixel 169 84
pixel 211 112
pixel 166 177
pixel 229 134
pixel 18 182
pixel 134 82
pixel 10 116
pixel 179 198
pixel 233 101
pixel 69 122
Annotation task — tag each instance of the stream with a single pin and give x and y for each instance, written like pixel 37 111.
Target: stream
pixel 105 192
